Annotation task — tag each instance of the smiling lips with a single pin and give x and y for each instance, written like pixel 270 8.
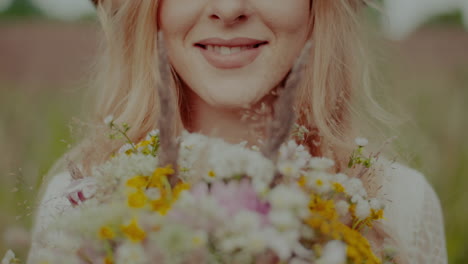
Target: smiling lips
pixel 230 54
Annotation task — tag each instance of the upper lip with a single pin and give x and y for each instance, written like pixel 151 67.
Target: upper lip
pixel 234 42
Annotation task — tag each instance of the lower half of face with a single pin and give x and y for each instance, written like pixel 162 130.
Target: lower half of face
pixel 232 53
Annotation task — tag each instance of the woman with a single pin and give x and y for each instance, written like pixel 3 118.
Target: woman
pixel 229 58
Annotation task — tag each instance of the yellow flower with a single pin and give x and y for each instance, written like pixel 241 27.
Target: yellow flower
pixel 338 187
pixel 315 222
pixel 353 254
pixel 212 174
pixel 138 181
pixel 161 206
pixel 146 151
pixel 352 210
pixel 325 228
pixel 159 177
pixel 374 216
pixel 143 143
pixel 108 260
pixel 164 171
pixel 302 181
pixel 358 248
pixel 180 187
pixel 325 208
pixel 137 200
pixel 143 146
pixel 319 182
pixel 377 215
pixel 106 233
pixel 134 232
pixel 324 219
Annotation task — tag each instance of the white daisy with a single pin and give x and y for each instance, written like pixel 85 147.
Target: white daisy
pixel 334 252
pixel 108 120
pixel 9 257
pixel 362 142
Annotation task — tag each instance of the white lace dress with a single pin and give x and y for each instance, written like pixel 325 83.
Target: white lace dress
pixel 413 215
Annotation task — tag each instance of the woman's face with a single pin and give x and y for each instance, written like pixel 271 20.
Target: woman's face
pixel 231 53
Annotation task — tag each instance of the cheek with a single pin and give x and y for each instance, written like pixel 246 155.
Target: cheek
pixel 289 23
pixel 176 17
pixel 285 16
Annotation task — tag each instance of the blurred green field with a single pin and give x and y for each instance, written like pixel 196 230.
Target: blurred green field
pixel 437 141
pixel 35 131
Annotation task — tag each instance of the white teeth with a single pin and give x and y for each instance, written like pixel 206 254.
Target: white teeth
pixel 235 49
pixel 223 50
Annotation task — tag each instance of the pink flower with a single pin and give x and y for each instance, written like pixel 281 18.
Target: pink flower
pixel 234 197
pixel 80 190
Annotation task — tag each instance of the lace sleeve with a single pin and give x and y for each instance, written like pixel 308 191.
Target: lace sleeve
pixel 52 205
pixel 414 218
pixel 429 233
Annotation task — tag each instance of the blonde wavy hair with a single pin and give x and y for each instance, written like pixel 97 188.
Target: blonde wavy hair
pixel 334 96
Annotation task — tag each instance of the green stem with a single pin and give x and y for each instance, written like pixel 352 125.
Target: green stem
pixel 168 187
pixel 124 134
pixel 155 146
pixel 356 224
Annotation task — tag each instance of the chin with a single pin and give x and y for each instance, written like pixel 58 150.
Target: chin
pixel 232 97
pixel 230 101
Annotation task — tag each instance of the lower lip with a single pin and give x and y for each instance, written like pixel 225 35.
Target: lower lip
pixel 232 61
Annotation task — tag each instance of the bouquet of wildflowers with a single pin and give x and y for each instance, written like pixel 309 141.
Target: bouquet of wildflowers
pixel 222 208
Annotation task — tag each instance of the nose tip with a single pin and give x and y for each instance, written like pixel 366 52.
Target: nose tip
pixel 230 11
pixel 229 20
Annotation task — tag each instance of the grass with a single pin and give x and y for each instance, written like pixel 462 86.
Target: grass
pixel 437 140
pixel 33 134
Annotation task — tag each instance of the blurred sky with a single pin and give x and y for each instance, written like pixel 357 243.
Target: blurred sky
pixel 67 10
pixel 401 17
pixel 5 4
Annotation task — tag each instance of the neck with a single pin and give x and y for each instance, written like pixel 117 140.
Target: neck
pixel 234 125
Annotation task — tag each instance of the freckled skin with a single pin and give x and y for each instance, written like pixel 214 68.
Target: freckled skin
pixel 284 24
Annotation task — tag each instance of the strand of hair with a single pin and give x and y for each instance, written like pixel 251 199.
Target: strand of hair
pixel 284 117
pixel 169 145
